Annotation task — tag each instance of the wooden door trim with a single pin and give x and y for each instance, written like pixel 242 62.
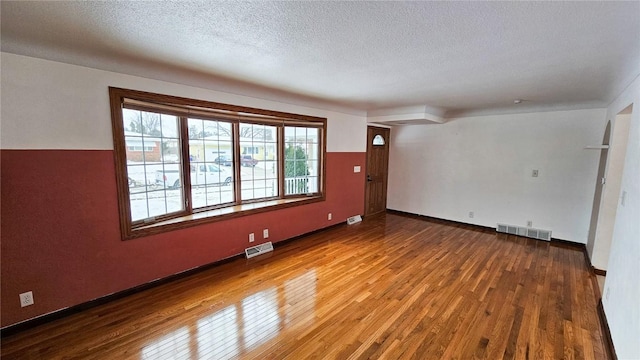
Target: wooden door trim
pixel 370 136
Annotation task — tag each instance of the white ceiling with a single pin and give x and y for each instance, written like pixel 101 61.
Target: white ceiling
pixel 455 57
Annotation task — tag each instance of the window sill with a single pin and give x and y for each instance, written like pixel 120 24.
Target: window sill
pixel 214 215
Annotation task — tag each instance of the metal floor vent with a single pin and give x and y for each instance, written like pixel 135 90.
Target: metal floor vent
pixel 525 231
pixel 354 219
pixel 258 249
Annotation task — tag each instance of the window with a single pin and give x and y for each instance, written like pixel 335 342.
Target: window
pixel 147 132
pixel 182 162
pixel 301 163
pixel 259 144
pixel 378 140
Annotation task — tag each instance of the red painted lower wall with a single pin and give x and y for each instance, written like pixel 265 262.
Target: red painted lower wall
pixel 60 234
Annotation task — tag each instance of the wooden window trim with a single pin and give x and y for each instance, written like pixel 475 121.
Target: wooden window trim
pixel 206 110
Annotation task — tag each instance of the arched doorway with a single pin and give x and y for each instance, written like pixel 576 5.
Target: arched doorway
pixel 608 195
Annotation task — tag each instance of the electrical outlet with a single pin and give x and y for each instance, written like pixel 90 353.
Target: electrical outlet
pixel 265 233
pixel 624 197
pixel 26 299
pixel 607 296
pixel 251 237
pixel 471 214
pixel 529 223
pixel 329 217
pixel 356 169
pixel 534 173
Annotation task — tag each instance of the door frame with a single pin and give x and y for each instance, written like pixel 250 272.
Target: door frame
pixel 387 137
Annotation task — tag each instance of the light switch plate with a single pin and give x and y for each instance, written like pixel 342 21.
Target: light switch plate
pixel 356 169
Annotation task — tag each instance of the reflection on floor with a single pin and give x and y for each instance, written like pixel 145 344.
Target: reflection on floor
pixel 218 335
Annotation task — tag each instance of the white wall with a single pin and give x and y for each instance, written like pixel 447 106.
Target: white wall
pixel 484 164
pixel 70 107
pixel 621 296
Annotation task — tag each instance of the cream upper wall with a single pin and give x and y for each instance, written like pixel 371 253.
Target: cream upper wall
pixel 484 164
pixel 52 105
pixel 621 298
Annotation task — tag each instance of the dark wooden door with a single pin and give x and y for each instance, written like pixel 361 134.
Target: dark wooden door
pixel 377 165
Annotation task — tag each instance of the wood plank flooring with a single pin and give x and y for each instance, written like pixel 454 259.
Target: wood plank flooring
pixel 391 287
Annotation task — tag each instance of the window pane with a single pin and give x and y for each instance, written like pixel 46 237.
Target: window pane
pixel 314 176
pixel 153 164
pixel 259 163
pixel 378 140
pixel 301 163
pixel 312 135
pixel 247 190
pixel 211 155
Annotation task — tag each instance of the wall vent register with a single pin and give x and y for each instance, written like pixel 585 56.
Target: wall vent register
pixel 525 231
pixel 258 249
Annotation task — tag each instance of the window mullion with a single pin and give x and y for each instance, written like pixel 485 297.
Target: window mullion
pixel 237 162
pixel 280 146
pixel 322 158
pixel 186 165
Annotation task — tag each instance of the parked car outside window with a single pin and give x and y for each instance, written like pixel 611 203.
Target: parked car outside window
pixel 223 160
pixel 248 160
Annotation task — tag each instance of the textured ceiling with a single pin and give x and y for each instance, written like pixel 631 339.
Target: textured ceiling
pixel 458 57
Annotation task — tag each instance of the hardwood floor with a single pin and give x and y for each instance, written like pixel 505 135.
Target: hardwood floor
pixel 392 287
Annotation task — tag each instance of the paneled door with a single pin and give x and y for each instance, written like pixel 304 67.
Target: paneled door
pixel 377 167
